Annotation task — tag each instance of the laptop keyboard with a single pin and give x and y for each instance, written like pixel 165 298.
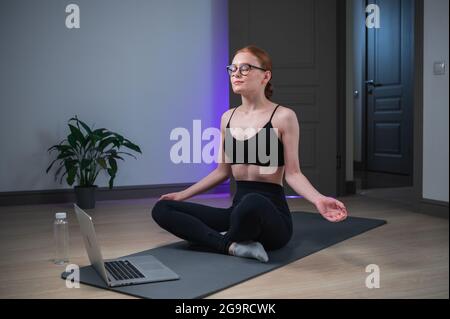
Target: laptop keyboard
pixel 123 270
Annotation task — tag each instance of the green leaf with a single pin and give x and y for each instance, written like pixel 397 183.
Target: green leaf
pixel 88 130
pixel 60 147
pixel 60 181
pixel 54 147
pixel 117 156
pixel 113 164
pixel 127 154
pixel 111 181
pixel 85 163
pixel 102 133
pixel 120 138
pixel 50 166
pixel 132 146
pixel 59 170
pixel 111 151
pixel 69 164
pixel 65 148
pixel 72 141
pixel 71 175
pixel 105 143
pixel 101 161
pixel 77 134
pixel 97 133
pixel 64 155
pixel 92 140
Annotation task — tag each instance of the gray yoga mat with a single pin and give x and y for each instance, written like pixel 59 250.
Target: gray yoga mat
pixel 204 272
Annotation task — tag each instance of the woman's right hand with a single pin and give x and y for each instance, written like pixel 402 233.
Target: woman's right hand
pixel 178 196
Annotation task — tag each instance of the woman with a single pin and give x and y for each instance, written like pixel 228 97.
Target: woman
pixel 259 218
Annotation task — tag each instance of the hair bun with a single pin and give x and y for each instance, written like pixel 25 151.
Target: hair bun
pixel 268 91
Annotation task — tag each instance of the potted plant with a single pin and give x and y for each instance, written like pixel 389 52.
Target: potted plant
pixel 84 153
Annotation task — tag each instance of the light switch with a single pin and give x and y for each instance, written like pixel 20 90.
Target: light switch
pixel 439 68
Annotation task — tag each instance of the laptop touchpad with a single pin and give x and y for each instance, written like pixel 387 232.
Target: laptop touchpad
pixel 151 266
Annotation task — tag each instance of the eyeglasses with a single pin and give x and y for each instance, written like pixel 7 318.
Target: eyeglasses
pixel 244 68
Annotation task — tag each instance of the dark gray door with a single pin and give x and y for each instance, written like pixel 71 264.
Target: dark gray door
pixel 389 88
pixel 300 36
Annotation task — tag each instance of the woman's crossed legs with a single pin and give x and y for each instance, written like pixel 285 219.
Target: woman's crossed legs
pixel 253 220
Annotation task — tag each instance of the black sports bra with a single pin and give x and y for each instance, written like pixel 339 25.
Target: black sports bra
pixel 269 158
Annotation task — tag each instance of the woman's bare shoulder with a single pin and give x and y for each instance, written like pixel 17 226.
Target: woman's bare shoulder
pixel 284 113
pixel 227 114
pixel 284 117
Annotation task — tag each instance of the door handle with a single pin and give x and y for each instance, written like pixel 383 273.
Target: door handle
pixel 373 83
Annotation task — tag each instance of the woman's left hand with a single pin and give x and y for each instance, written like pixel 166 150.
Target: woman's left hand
pixel 331 209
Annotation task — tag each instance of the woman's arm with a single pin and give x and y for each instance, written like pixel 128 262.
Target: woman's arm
pixel 219 175
pixel 290 136
pixel 212 179
pixel 330 208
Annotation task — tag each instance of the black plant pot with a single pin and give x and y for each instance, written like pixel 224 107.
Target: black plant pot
pixel 85 196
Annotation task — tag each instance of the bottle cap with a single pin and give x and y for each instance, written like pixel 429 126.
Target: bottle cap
pixel 60 215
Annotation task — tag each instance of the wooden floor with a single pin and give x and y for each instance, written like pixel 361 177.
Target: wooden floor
pixel 411 251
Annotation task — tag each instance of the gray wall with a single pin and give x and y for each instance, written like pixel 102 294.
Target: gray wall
pixel 139 67
pixel 349 99
pixel 354 79
pixel 435 101
pixel 358 50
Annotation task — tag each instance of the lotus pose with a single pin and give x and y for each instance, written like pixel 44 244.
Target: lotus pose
pixel 259 145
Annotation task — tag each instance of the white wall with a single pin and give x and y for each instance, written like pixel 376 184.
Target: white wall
pixel 140 68
pixel 435 102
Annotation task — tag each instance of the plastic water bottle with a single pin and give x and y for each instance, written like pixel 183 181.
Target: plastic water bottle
pixel 61 231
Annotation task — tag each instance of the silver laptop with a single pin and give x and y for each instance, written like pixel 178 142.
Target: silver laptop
pixel 123 271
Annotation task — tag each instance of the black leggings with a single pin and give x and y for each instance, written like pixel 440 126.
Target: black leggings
pixel 259 212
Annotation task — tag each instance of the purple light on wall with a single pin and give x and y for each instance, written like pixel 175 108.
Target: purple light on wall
pixel 217 79
pixel 219 60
